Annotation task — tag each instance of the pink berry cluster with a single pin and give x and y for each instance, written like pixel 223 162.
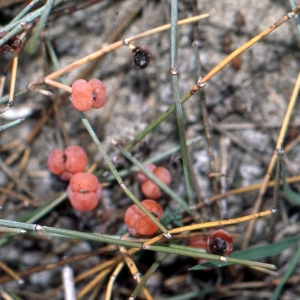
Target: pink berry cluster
pixel 86 95
pixel 137 222
pixel 84 190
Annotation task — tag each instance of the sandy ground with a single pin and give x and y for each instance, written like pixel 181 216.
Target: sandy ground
pixel 248 100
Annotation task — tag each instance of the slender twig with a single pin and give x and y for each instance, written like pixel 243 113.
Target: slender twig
pixel 292 265
pixel 33 43
pixel 224 143
pixel 209 140
pixel 13 78
pixel 10 102
pixel 244 47
pixel 267 177
pixel 68 283
pixel 275 197
pixel 297 18
pixel 112 279
pixel 212 224
pixel 58 85
pixel 152 177
pixel 17 94
pixel 179 111
pixel 93 283
pixel 116 45
pixel 188 251
pixel 201 82
pixel 10 272
pixel 134 271
pixel 24 11
pixel 116 174
pixel 11 124
pixel 56 264
pixel 15 27
pixel 145 278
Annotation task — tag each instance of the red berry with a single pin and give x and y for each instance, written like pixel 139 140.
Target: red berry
pixel 151 190
pixel 82 92
pixel 163 174
pixel 141 176
pixel 86 95
pixel 98 92
pixel 132 214
pixel 148 187
pixel 56 161
pixel 138 223
pixel 84 191
pixel 220 243
pixel 145 226
pixel 199 242
pixel 76 159
pixel 66 163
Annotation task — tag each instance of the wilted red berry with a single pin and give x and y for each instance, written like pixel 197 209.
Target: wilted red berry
pixel 141 56
pixel 84 191
pixel 11 45
pixel 138 223
pixel 220 243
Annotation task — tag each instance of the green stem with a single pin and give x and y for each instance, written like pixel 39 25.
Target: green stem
pixel 154 159
pixel 157 121
pixel 11 124
pixel 17 94
pixel 118 177
pixel 18 26
pixel 179 111
pixel 292 265
pixel 33 43
pixel 145 278
pixel 24 11
pixel 152 177
pixel 164 248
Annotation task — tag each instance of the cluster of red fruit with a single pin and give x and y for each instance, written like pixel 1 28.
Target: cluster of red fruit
pixel 86 95
pixel 137 222
pixel 220 243
pixel 84 190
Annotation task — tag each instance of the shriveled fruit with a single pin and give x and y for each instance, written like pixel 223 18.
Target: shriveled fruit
pixel 220 243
